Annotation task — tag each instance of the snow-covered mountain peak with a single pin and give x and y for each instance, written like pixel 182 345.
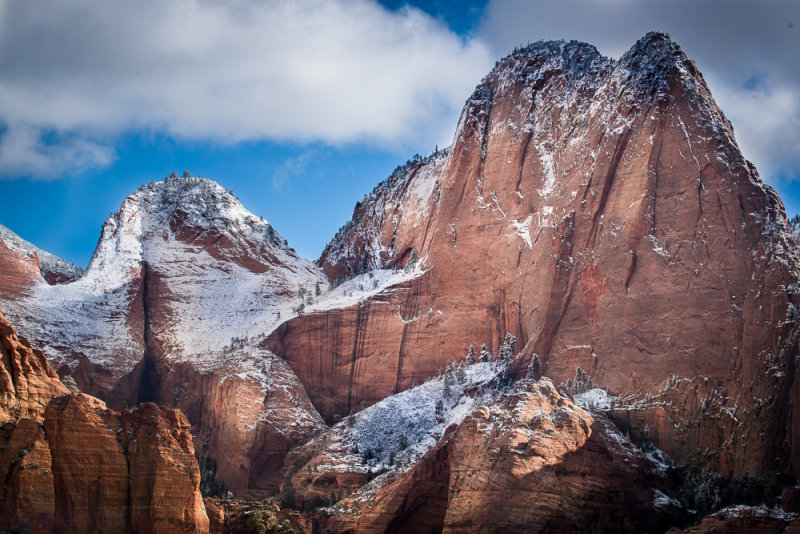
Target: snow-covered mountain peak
pixel 195 201
pixel 174 250
pixel 186 216
pixel 534 63
pixel 651 64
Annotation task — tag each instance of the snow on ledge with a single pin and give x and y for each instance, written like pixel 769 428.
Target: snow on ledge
pixel 362 287
pixel 661 499
pixel 742 510
pixel 594 398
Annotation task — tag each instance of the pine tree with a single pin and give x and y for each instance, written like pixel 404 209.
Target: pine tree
pixel 486 356
pixel 72 386
pixel 534 368
pixel 471 355
pixel 411 264
pixel 506 353
pixel 509 342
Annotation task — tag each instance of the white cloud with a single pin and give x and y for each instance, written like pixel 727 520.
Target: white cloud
pixel 292 167
pixel 766 122
pixel 335 71
pixel 23 151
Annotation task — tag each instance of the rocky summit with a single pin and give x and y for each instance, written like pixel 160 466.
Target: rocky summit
pixel 578 317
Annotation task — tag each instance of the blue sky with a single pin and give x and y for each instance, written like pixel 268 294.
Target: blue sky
pixel 302 107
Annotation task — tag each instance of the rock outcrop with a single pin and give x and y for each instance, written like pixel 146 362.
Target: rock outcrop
pixel 27 382
pixel 528 460
pixel 735 519
pixel 23 265
pixel 69 464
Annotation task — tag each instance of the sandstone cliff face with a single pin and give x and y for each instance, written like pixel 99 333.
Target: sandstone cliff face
pixel 601 212
pixel 27 382
pixel 69 464
pixel 245 419
pixel 364 352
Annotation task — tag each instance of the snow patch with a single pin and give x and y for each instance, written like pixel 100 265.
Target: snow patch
pixel 594 398
pixel 742 510
pixel 546 160
pixel 661 499
pixel 523 229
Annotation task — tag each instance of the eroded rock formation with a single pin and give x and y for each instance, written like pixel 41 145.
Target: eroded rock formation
pixel 69 464
pixel 529 460
pixel 601 212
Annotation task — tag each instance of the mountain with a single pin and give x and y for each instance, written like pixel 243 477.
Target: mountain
pixel 183 285
pixel 593 227
pixel 602 213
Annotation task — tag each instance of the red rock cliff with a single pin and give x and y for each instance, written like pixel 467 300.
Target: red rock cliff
pixel 602 212
pixel 69 464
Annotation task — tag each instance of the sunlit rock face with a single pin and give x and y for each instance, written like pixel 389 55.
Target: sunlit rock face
pixel 602 212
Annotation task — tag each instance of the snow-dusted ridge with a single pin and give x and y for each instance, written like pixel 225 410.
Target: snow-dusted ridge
pixel 50 265
pixel 407 196
pixel 226 279
pixel 397 431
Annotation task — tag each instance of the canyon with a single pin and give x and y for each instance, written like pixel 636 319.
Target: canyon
pixel 580 316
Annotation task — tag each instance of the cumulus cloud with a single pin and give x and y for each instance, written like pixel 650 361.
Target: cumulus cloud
pixel 24 150
pixel 746 50
pixel 222 71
